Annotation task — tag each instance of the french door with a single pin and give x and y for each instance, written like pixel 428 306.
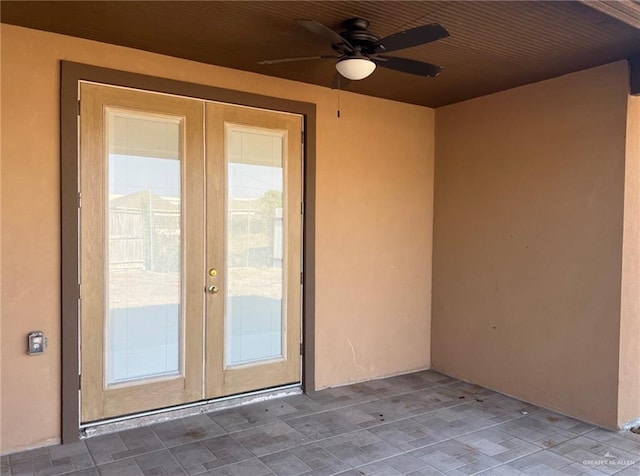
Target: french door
pixel 190 250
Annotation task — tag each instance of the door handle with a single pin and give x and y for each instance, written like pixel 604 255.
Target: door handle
pixel 212 289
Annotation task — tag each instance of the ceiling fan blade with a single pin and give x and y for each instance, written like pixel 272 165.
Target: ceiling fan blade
pixel 413 37
pixel 326 32
pixel 299 58
pixel 410 66
pixel 340 82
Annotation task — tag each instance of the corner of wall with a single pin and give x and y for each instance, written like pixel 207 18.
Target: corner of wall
pixel 629 359
pixel 528 231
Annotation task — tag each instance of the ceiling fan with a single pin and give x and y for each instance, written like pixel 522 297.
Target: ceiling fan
pixel 359 51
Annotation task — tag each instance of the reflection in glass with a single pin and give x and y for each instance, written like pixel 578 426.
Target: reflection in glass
pixel 255 246
pixel 144 248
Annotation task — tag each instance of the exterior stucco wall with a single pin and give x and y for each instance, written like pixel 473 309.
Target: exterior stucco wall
pixel 373 220
pixel 629 389
pixel 528 227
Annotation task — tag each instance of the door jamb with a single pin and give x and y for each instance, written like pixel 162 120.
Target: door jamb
pixel 71 74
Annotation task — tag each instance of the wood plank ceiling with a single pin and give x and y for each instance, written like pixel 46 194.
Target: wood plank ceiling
pixel 493 45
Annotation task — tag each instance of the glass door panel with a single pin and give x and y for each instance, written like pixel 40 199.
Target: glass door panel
pixel 145 278
pixel 255 173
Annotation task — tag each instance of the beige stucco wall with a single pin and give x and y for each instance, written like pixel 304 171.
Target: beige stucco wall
pixel 528 241
pixel 629 387
pixel 374 222
pixel 1 383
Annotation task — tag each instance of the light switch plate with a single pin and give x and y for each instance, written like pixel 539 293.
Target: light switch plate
pixel 37 342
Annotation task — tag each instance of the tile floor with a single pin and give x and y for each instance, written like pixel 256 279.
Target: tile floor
pixel 417 424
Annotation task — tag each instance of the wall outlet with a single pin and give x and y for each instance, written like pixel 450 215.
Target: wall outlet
pixel 37 342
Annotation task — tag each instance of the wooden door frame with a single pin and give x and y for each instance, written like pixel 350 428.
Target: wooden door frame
pixel 70 76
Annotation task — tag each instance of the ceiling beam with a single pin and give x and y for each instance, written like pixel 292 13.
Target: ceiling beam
pixel 627 11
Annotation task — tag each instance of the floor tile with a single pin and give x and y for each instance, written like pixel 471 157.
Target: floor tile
pixel 407 434
pixel 69 450
pixel 338 397
pixel 159 463
pixel 292 406
pixel 577 468
pixel 73 455
pixel 209 454
pixel 5 468
pixel 605 458
pixel 122 445
pixel 187 430
pixel 425 472
pixel 302 405
pixel 403 464
pixel 504 407
pixel 396 408
pixel 30 461
pixel 31 464
pixel 120 468
pixel 252 467
pixel 468 390
pixel 482 411
pixel 557 420
pixel 630 471
pixel 359 448
pixel 358 417
pixel 452 455
pixel 248 416
pixel 84 472
pixel 323 425
pixel 450 422
pixel 50 461
pixel 441 397
pixel 498 445
pixel 500 471
pixel 536 432
pixel 310 459
pixel 408 383
pixel 270 438
pixel 624 440
pixel 377 469
pixel 546 462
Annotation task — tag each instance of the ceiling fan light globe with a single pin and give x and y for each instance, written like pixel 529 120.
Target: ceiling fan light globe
pixel 355 68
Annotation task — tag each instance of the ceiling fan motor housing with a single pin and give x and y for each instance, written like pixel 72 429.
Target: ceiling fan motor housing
pixel 356 34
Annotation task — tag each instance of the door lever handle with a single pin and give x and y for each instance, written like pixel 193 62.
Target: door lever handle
pixel 212 289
